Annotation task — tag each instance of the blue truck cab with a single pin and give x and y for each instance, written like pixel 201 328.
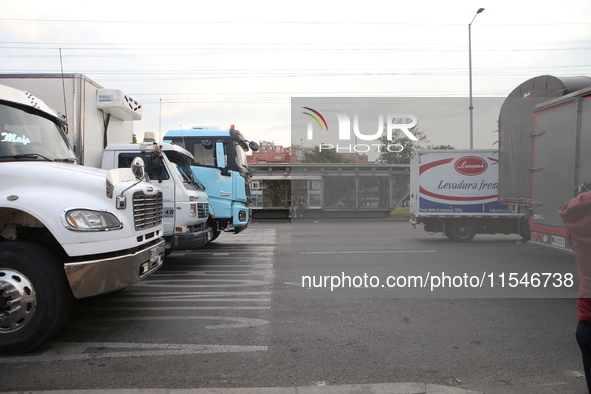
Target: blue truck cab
pixel 220 164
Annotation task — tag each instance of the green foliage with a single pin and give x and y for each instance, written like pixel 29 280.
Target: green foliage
pixel 400 213
pixel 324 156
pixel 441 147
pixel 408 145
pixel 275 193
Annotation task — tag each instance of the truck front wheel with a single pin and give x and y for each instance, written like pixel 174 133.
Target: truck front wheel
pixel 462 230
pixel 35 299
pixel 215 234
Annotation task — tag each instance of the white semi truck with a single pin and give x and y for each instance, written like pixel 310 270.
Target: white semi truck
pixel 100 128
pixel 66 231
pixel 186 206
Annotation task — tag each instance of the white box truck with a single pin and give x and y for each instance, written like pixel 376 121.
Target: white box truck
pixel 65 230
pixel 95 116
pixel 186 206
pixel 454 192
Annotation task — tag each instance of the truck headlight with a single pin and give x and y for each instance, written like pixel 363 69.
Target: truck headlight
pixel 89 220
pixel 242 216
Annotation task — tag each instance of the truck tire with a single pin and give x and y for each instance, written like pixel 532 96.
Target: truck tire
pixel 215 234
pixel 524 230
pixel 462 230
pixel 35 300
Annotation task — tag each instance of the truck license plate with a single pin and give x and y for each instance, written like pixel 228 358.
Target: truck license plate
pixel 154 254
pixel 558 241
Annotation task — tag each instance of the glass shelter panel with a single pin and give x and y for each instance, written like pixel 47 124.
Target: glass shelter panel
pixel 340 192
pixel 374 192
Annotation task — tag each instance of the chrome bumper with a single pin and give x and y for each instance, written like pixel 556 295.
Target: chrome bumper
pixel 93 277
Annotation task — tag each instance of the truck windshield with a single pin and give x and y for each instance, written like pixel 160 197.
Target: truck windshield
pixel 182 165
pixel 26 136
pixel 241 157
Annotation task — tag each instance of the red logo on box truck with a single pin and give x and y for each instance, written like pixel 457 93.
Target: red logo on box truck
pixel 471 165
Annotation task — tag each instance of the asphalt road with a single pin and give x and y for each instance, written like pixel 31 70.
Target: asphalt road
pixel 235 314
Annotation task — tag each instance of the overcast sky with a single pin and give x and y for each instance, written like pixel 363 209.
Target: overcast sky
pixel 240 62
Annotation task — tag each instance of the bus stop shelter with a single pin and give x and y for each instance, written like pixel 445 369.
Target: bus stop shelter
pixel 329 190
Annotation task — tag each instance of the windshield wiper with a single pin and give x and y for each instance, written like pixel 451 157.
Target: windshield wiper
pixel 66 160
pixel 26 156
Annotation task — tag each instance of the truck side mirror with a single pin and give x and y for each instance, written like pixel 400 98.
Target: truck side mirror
pixel 220 154
pixel 156 167
pixel 253 146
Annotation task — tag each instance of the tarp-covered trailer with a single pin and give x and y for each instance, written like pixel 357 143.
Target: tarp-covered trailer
pixel 561 163
pixel 515 133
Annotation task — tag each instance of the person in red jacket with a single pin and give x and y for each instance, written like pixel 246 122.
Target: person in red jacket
pixel 576 216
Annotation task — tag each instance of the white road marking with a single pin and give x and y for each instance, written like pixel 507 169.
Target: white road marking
pixel 192 283
pixel 370 251
pixel 180 298
pixel 232 322
pixel 64 351
pixel 206 273
pixel 248 236
pixel 261 267
pixel 222 266
pixel 173 308
pixel 199 293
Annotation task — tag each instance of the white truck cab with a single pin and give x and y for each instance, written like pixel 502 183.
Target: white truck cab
pixel 186 205
pixel 65 230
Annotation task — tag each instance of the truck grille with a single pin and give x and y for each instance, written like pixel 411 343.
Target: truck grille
pixel 202 210
pixel 147 210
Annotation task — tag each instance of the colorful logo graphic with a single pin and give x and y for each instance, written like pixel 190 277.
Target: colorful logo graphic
pixel 471 165
pixel 316 117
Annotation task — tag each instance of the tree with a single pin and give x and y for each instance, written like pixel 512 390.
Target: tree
pixel 276 193
pixel 324 156
pixel 401 147
pixel 441 147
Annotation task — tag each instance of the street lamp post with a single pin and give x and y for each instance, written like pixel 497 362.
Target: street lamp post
pixel 471 107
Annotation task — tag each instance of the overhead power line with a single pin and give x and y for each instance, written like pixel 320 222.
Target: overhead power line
pixel 254 22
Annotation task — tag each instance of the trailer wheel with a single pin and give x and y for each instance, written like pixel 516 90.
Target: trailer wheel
pixel 463 230
pixel 524 230
pixel 35 298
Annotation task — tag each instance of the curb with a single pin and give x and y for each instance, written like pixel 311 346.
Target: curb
pixel 381 388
